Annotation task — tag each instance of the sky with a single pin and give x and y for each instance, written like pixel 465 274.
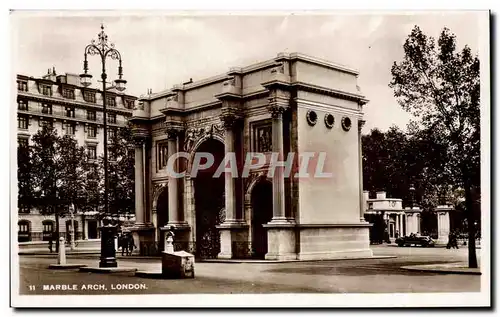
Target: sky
pixel 163 49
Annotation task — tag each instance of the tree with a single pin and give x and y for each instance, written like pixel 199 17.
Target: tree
pixel 71 163
pixel 25 195
pixel 121 172
pixel 57 174
pixel 440 87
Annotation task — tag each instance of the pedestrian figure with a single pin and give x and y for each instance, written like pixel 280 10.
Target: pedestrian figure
pixel 454 241
pixel 130 244
pixel 450 241
pixel 122 242
pixel 50 243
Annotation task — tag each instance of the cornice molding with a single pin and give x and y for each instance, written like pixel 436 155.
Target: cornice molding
pixel 307 104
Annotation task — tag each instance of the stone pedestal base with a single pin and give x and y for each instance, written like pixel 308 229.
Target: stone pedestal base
pixel 144 240
pixel 177 265
pixel 233 241
pixel 181 238
pixel 281 241
pixel 334 241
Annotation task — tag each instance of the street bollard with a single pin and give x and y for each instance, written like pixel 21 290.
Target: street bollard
pixel 61 257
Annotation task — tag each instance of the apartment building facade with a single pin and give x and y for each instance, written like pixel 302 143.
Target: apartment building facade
pixel 62 102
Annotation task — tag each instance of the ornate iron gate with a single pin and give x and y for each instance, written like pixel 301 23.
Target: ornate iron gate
pixel 209 200
pixel 208 240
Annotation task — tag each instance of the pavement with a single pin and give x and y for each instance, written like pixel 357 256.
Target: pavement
pixel 386 274
pixel 445 268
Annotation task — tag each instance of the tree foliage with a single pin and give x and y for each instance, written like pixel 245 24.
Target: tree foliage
pixel 440 86
pixel 121 172
pixel 25 195
pixel 55 173
pixel 394 161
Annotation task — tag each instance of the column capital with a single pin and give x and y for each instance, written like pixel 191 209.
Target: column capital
pixel 229 117
pixel 277 110
pixel 140 133
pixel 172 133
pixel 361 123
pixel 139 141
pixel 173 129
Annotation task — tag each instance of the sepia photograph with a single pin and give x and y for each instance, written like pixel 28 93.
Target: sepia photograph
pixel 250 159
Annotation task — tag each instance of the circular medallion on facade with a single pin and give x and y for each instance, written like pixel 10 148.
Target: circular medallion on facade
pixel 329 120
pixel 346 123
pixel 312 117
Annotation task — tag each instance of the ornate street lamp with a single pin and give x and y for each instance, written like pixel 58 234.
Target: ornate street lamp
pixel 104 50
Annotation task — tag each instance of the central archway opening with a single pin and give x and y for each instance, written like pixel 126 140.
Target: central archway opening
pixel 262 213
pixel 209 202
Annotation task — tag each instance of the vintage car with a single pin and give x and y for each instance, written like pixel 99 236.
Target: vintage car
pixel 424 241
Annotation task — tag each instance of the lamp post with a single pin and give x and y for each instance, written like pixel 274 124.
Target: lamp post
pixel 105 50
pixel 72 232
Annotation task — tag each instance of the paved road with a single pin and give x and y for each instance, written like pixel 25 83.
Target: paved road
pixel 343 276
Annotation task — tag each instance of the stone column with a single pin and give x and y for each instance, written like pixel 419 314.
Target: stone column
pixel 408 220
pixel 176 220
pixel 229 181
pixel 173 183
pixel 417 221
pixel 281 240
pixel 361 123
pixel 278 177
pixel 232 231
pixel 443 226
pixel 139 182
pixel 400 224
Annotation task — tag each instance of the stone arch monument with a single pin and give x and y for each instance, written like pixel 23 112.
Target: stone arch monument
pixel 290 104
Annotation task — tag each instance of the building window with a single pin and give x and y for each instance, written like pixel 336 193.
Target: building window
pixel 263 138
pixel 22 105
pixel 162 149
pixel 47 109
pixel 70 128
pixel 129 103
pixel 48 229
pixel 22 85
pixel 92 152
pixel 47 123
pixel 22 142
pixel 68 93
pixel 91 115
pixel 111 133
pixel 91 131
pixel 23 234
pixel 22 122
pixel 111 118
pixel 70 112
pixel 370 205
pixel 47 90
pixel 89 96
pixel 111 101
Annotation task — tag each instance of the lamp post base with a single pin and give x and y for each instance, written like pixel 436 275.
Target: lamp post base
pixel 108 252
